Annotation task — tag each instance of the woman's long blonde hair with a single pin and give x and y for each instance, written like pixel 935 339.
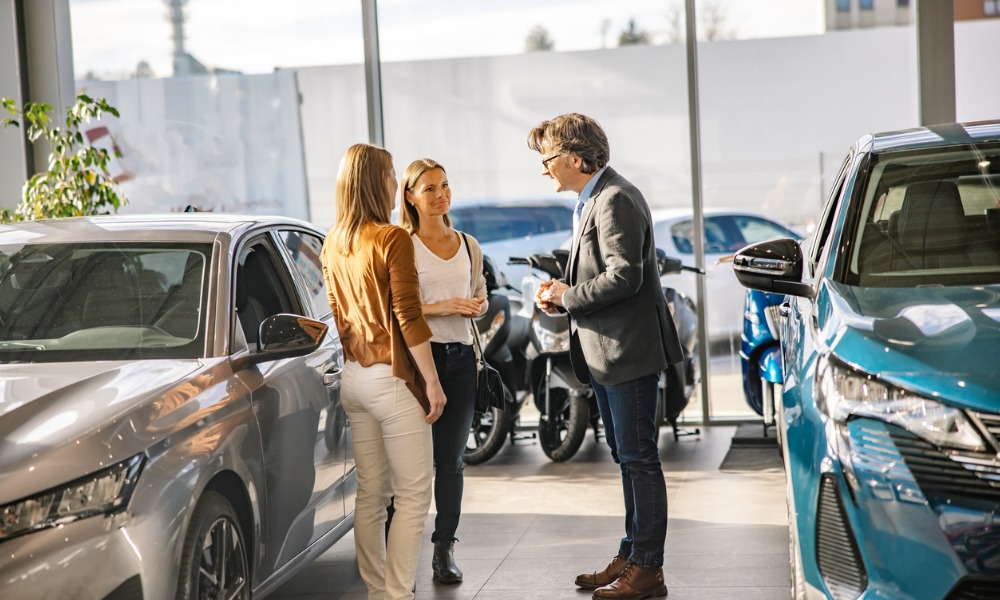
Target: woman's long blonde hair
pixel 409 218
pixel 362 193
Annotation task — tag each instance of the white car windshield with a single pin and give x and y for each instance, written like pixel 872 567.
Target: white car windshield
pixel 102 301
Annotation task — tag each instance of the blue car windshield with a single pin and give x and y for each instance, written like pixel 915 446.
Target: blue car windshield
pixel 929 218
pixel 102 301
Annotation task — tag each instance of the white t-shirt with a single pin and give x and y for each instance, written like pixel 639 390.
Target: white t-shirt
pixel 441 279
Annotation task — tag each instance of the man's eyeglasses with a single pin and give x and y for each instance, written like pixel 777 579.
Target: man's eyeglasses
pixel 545 161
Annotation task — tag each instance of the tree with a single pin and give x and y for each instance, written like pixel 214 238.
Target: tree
pixel 632 36
pixel 538 40
pixel 713 22
pixel 77 181
pixel 713 17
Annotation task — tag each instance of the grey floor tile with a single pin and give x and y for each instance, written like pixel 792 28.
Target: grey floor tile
pixel 530 526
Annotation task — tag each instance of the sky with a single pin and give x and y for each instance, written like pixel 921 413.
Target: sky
pixel 110 37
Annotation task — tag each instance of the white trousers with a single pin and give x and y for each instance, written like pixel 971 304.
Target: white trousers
pixel 394 457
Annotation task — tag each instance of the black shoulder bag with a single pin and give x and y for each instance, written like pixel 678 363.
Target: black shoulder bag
pixel 489 385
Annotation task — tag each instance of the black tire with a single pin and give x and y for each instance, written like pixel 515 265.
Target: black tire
pixel 214 556
pixel 488 433
pixel 562 433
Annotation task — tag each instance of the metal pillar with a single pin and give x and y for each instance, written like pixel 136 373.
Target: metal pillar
pixel 373 72
pixel 694 126
pixel 36 65
pixel 936 60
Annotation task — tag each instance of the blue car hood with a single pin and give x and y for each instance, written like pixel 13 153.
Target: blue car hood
pixel 942 342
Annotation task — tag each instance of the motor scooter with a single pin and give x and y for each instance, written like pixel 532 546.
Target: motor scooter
pixel 567 407
pixel 534 363
pixel 680 380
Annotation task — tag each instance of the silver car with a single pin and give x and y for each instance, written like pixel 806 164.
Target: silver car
pixel 170 423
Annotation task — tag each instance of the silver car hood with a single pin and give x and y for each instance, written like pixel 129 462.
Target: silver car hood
pixel 72 419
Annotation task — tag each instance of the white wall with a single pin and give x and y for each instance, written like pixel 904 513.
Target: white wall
pixel 775 113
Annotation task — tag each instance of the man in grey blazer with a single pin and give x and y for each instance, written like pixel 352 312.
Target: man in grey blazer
pixel 622 336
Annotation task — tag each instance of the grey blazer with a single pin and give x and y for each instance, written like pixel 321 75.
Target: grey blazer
pixel 623 328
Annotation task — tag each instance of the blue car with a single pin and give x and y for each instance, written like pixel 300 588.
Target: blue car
pixel 890 409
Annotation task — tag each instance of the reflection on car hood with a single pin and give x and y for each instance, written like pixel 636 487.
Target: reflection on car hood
pixel 77 417
pixel 938 341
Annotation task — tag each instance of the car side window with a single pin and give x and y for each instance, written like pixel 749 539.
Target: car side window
pixel 304 250
pixel 261 291
pixel 822 236
pixel 755 229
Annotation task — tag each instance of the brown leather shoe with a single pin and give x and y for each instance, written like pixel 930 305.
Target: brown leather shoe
pixel 635 583
pixel 592 581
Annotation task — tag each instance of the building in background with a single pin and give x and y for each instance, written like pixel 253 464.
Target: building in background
pixel 856 14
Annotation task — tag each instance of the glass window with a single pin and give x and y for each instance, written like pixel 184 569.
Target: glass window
pixel 991 7
pixel 260 290
pixel 102 301
pixel 756 229
pixel 305 251
pixel 843 5
pixel 866 4
pixel 226 105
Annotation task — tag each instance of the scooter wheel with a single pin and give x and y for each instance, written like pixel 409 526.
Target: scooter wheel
pixel 488 433
pixel 562 433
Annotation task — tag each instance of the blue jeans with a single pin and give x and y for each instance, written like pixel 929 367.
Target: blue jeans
pixel 456 368
pixel 629 414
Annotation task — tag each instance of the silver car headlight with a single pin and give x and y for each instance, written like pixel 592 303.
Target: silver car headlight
pixel 550 341
pixel 101 493
pixel 485 337
pixel 844 392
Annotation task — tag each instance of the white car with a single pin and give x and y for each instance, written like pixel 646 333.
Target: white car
pixel 726 231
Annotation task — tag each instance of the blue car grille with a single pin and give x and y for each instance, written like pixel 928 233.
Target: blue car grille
pixel 975 588
pixel 836 549
pixel 959 473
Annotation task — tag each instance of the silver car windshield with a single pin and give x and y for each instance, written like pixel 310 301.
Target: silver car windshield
pixel 93 301
pixel 930 217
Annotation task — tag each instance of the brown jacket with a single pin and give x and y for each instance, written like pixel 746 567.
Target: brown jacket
pixel 375 297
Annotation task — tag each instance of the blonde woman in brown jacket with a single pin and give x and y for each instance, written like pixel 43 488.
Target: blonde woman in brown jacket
pixel 390 389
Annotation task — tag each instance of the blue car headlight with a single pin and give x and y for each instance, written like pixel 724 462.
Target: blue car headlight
pixel 844 393
pixel 104 492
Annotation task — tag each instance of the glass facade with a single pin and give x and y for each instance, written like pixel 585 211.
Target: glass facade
pixel 234 105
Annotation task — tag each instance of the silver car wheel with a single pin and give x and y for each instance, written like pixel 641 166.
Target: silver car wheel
pixel 214 562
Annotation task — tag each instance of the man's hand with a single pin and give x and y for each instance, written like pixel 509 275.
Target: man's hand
pixel 547 300
pixel 553 293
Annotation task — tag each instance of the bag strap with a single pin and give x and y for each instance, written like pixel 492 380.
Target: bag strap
pixel 476 344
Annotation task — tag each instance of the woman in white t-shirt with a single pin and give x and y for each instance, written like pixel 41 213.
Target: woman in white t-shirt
pixel 453 290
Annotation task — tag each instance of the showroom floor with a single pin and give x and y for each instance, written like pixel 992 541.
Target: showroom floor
pixel 529 526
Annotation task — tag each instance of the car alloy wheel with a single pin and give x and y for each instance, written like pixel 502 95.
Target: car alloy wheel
pixel 214 561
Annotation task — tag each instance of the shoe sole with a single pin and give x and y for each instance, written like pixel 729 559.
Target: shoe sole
pixel 657 593
pixel 590 586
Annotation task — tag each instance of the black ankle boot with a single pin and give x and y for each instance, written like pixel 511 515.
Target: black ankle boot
pixel 443 563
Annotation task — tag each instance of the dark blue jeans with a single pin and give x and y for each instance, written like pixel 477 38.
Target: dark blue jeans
pixel 456 368
pixel 629 414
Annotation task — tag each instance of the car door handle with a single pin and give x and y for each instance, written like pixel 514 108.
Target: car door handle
pixel 331 378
